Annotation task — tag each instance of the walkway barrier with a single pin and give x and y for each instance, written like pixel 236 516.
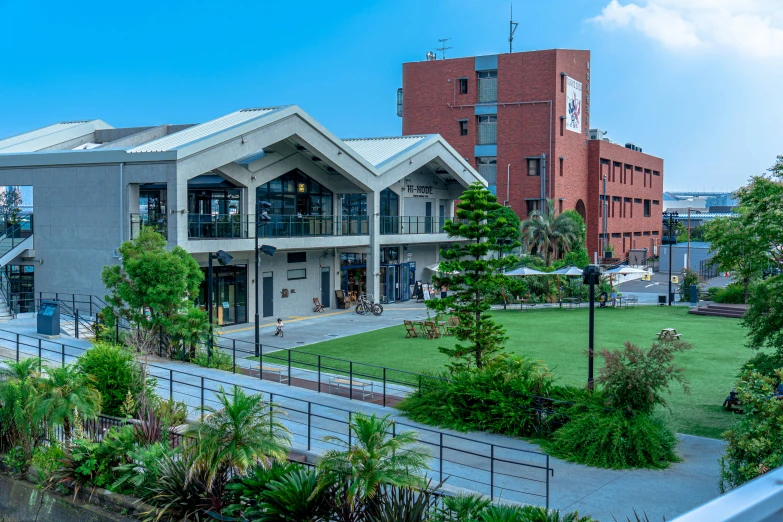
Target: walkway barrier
pixel 497 471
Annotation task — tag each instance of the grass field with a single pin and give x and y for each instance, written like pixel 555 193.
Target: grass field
pixel 559 338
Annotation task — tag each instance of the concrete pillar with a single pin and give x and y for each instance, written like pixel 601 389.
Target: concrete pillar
pixel 131 206
pixel 374 255
pixel 178 204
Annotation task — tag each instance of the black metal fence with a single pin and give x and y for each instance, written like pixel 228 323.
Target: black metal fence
pixel 515 474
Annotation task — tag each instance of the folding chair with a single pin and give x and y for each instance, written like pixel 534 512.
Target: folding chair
pixel 410 329
pixel 317 304
pixel 431 330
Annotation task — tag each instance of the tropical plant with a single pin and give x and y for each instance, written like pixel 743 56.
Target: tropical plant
pixel 230 439
pixel 549 233
pixel 191 328
pixel 764 318
pixel 462 508
pixel 375 457
pixel 396 504
pixel 243 493
pixel 81 466
pixel 469 272
pixel 64 392
pixel 115 374
pixel 46 460
pixel 634 379
pixel 139 476
pixel 613 439
pixel 294 496
pixel 18 393
pixel 180 491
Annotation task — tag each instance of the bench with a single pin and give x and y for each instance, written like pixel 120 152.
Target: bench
pixel 668 334
pixel 282 376
pixel 341 382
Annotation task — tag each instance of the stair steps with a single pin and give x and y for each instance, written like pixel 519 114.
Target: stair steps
pixel 720 310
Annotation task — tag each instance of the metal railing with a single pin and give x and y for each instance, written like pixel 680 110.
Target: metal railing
pixel 239 226
pixel 13 233
pixel 487 133
pixel 497 471
pixel 158 222
pixel 220 226
pixel 410 225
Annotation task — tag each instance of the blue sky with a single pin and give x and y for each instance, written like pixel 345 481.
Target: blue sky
pixel 687 80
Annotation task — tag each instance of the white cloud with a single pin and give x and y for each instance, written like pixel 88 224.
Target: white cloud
pixel 753 28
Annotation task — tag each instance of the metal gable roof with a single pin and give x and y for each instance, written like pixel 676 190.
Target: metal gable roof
pixel 192 134
pixel 380 150
pixel 38 133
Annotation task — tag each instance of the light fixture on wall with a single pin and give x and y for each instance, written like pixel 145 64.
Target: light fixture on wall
pixel 244 140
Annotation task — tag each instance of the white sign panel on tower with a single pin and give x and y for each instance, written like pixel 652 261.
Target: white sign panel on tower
pixel 574 105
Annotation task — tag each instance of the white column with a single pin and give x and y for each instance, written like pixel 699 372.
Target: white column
pixel 178 203
pixel 374 255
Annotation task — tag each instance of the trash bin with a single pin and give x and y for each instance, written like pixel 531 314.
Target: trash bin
pixel 671 298
pixel 49 318
pixel 661 300
pixel 694 295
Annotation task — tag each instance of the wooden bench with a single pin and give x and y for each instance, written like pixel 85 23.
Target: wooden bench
pixel 342 382
pixel 668 334
pixel 282 373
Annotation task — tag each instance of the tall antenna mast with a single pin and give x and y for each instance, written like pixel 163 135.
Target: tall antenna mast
pixel 443 47
pixel 512 28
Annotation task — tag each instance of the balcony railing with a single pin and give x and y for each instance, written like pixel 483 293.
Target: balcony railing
pixel 488 133
pixel 488 90
pixel 148 219
pixel 411 225
pixel 220 226
pixel 239 226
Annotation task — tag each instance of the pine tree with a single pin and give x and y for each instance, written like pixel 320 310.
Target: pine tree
pixel 470 270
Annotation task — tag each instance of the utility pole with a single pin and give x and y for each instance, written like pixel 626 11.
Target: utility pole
pixel 603 243
pixel 512 28
pixel 669 222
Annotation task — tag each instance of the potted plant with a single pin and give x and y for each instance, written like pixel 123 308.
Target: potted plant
pixel 609 251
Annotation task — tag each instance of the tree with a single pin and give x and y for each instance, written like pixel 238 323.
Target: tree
pixel 192 328
pixel 150 278
pixel 764 318
pixel 10 203
pixel 577 255
pixel 550 233
pixel 229 440
pixel 65 391
pixel 736 247
pixel 17 397
pixel 471 274
pixel 374 458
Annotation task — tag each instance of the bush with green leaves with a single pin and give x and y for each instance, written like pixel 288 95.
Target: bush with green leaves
pixel 46 460
pixel 500 398
pixel 18 395
pixel 474 508
pixel 218 359
pixel 115 373
pixel 689 279
pixel 766 364
pixel 755 442
pixel 614 439
pixel 734 293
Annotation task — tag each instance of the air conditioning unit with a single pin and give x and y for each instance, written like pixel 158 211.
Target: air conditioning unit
pixel 597 134
pixel 633 147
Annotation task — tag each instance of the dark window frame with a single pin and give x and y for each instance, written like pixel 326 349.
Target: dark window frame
pixel 296 277
pixel 463 85
pixel 463 127
pixel 534 162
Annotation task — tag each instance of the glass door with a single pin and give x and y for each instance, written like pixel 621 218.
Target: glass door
pixel 391 285
pixel 405 289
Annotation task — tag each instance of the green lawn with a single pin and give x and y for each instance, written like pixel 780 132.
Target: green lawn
pixel 559 338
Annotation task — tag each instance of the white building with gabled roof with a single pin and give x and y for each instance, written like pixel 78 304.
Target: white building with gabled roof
pixel 359 215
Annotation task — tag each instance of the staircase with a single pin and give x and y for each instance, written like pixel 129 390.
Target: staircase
pixel 735 311
pixel 5 310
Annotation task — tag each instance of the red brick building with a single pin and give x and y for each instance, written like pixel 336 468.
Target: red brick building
pixel 523 119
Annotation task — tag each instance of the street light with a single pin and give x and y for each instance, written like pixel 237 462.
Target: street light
pixel 591 276
pixel 223 258
pixel 670 221
pixel 262 218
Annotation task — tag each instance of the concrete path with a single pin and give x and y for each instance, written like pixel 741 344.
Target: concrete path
pixel 600 493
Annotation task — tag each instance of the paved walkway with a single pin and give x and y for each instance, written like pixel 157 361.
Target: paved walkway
pixel 598 492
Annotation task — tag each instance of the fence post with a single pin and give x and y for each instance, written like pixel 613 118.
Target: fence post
pixel 73 301
pixel 17 347
pixel 350 380
pixel 289 367
pixel 116 329
pixel 171 385
pixel 234 354
pixel 384 386
pixel 309 423
pixel 547 480
pixel 261 363
pixel 39 355
pixel 76 322
pixel 202 398
pixel 62 349
pixel 349 430
pixel 491 472
pixel 538 415
pixel 319 374
pixel 440 466
pixel 160 341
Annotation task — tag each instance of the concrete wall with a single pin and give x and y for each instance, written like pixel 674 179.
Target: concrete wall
pixel 680 250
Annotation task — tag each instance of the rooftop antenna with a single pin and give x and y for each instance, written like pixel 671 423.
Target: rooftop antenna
pixel 443 47
pixel 512 28
pixel 431 56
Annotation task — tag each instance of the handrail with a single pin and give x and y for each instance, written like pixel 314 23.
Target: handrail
pixel 16 232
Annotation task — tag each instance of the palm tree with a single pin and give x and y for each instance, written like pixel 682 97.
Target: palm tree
pixel 63 392
pixel 374 458
pixel 549 232
pixel 192 327
pixel 17 396
pixel 20 371
pixel 229 440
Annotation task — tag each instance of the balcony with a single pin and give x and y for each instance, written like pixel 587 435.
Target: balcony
pixel 411 225
pixel 488 90
pixel 487 133
pixel 148 219
pixel 241 226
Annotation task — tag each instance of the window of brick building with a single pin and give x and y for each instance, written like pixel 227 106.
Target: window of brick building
pixel 647 208
pixel 647 233
pixel 628 207
pixel 488 129
pixel 655 232
pixel 561 166
pixel 532 204
pixel 637 200
pixel 637 234
pixel 463 127
pixel 463 85
pixel 616 235
pixel 656 202
pixel 533 166
pixel 615 167
pixel 656 173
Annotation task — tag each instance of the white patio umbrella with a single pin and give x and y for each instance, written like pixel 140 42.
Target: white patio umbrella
pixel 524 271
pixel 568 271
pixel 622 270
pixel 436 268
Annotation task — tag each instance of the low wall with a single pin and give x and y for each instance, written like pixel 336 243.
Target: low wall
pixel 21 501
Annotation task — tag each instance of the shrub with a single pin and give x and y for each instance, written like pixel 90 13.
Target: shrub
pixel 755 443
pixel 499 397
pixel 46 460
pixel 766 364
pixel 614 440
pixel 139 476
pixel 634 379
pixel 734 293
pixel 115 372
pixel 689 279
pixel 219 359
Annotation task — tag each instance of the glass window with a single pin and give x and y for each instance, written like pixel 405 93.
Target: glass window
pixel 296 193
pixel 463 127
pixel 534 166
pixel 463 85
pixel 354 204
pixel 297 273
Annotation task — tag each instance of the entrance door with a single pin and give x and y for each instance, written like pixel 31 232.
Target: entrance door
pixel 391 285
pixel 405 275
pixel 326 286
pixel 428 217
pixel 268 296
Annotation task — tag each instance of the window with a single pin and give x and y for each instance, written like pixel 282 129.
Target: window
pixel 487 86
pixel 655 232
pixel 297 257
pixel 647 208
pixel 616 234
pixel 300 206
pixel 487 167
pixel 562 82
pixel 463 85
pixel 561 166
pixel 488 129
pixel 656 202
pixel 533 166
pixel 604 161
pixel 297 273
pixel 656 173
pixel 637 200
pixel 637 234
pixel 532 204
pixel 647 233
pixel 390 210
pixel 463 127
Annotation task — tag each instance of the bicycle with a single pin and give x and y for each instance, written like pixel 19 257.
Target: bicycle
pixel 368 306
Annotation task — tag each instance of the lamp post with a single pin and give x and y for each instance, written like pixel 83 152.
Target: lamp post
pixel 262 218
pixel 223 258
pixel 590 276
pixel 669 221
